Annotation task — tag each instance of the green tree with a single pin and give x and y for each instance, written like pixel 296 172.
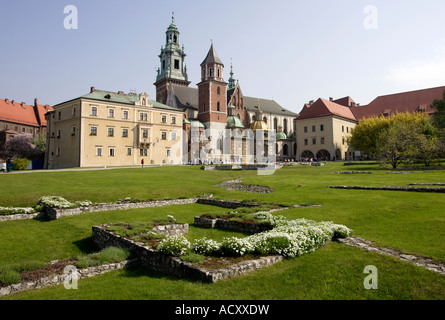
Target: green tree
pixel 365 135
pixel 439 114
pixel 397 143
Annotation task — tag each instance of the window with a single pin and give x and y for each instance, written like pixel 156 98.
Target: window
pixel 314 140
pixel 176 64
pixel 23 129
pixel 143 116
pixel 173 136
pixel 110 113
pixel 164 135
pixel 322 140
pixel 321 127
pixel 210 72
pixel 58 134
pixel 313 129
pixel 347 129
pixel 164 119
pixel 99 152
pixel 173 120
pixel 128 151
pixel 143 152
pixel 218 74
pixel 74 111
pixel 111 152
pixel 58 152
pixel 163 64
pixel 59 115
pixel 168 152
pixel 111 132
pixel 305 129
pixel 342 128
pixel 218 106
pixel 343 140
pixel 125 133
pixel 145 133
pixel 306 142
pixel 218 90
pixel 125 114
pixel 94 111
pixel 93 131
pixel 73 131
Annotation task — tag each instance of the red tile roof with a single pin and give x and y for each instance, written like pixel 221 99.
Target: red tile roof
pixel 21 113
pixel 412 101
pixel 322 107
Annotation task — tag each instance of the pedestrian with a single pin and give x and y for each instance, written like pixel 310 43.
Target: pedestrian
pixel 3 167
pixel 142 163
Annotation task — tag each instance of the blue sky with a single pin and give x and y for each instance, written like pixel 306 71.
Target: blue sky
pixel 287 50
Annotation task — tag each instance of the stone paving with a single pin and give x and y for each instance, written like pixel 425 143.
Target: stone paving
pixel 427 263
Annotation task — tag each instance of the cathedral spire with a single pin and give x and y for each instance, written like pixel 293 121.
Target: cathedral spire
pixel 231 79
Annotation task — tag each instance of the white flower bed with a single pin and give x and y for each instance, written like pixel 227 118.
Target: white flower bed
pixel 62 203
pixel 289 238
pixel 6 211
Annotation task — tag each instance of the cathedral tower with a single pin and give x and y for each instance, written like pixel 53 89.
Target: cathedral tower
pixel 172 69
pixel 212 109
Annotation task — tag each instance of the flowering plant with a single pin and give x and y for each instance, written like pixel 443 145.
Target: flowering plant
pixel 176 245
pixel 5 211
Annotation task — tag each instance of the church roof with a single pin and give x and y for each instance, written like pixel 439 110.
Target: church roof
pixel 21 113
pixel 234 122
pixel 186 97
pixel 212 57
pixel 267 106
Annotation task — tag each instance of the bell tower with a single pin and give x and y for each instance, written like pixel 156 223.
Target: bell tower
pixel 172 69
pixel 212 108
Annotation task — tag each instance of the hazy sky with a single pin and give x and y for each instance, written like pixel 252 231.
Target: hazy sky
pixel 287 50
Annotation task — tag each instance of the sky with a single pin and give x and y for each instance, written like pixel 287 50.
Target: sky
pixel 290 51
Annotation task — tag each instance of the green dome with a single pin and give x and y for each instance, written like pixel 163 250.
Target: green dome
pixel 197 124
pixel 185 121
pixel 281 136
pixel 234 122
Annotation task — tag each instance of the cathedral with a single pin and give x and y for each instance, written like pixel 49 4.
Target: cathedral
pixel 216 105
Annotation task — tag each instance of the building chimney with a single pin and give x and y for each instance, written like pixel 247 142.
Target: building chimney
pixel 311 102
pixel 352 104
pixel 92 89
pixel 12 101
pixel 7 100
pixel 331 99
pixel 35 102
pixel 120 92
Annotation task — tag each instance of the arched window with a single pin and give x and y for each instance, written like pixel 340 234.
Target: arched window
pixel 285 126
pixel 218 73
pixel 265 120
pixel 210 72
pixel 285 150
pixel 218 91
pixel 218 106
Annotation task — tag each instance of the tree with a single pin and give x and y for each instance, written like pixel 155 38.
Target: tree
pixel 397 143
pixel 365 135
pixel 19 146
pixel 439 114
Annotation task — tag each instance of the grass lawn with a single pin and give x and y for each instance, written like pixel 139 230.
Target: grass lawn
pixel 411 222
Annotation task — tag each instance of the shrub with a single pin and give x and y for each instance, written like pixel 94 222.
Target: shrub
pixel 9 276
pixel 105 256
pixel 205 246
pixel 55 202
pixel 21 163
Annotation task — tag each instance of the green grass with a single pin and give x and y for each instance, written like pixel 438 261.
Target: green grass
pixel 411 222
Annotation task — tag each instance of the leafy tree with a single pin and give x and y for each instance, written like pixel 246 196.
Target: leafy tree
pixel 396 143
pixel 439 114
pixel 19 146
pixel 365 135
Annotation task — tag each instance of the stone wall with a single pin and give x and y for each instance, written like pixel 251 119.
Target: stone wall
pixel 56 279
pixel 412 189
pixel 231 225
pixel 37 215
pixel 231 204
pixel 53 214
pixel 174 266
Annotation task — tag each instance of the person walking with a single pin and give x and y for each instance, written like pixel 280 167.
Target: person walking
pixel 3 167
pixel 142 163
